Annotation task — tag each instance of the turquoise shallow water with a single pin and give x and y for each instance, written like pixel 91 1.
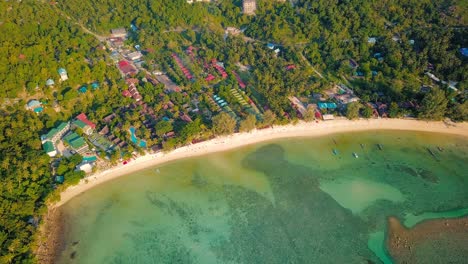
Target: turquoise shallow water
pixel 287 201
pixel 411 219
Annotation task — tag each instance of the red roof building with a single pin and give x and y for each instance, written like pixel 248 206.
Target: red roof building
pixel 83 118
pixel 131 81
pixel 185 117
pixel 220 69
pixel 126 68
pixel 210 77
pixel 126 93
pixel 239 80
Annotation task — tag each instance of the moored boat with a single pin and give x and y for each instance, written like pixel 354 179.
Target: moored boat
pixel 431 152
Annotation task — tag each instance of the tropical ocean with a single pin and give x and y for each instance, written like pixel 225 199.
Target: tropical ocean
pixel 300 200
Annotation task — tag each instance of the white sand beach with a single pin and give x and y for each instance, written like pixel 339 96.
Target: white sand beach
pixel 302 129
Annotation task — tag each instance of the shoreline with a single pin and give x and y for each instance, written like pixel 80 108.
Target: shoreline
pixel 224 143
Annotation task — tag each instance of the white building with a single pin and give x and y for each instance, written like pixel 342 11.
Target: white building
pixel 63 74
pixel 119 33
pixel 249 7
pixel 134 56
pixel 298 105
pixel 57 133
pixel 49 148
pixel 193 1
pixel 86 167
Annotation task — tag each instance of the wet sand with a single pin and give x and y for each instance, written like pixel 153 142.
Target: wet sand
pixel 432 241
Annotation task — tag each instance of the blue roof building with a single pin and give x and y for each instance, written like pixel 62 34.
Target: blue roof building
pixel 95 85
pixel 63 74
pixel 33 104
pixel 83 89
pixel 270 46
pixel 59 179
pixel 326 105
pixel 464 51
pixel 50 82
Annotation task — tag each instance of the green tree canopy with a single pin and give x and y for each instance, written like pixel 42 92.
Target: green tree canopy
pixel 269 118
pixel 352 110
pixel 248 124
pixel 433 105
pixel 223 124
pixel 367 111
pixel 162 127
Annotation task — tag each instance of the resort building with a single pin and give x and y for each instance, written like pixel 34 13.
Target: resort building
pixel 119 33
pixel 76 142
pixel 63 74
pixel 84 127
pixel 34 105
pixel 55 134
pixel 134 56
pixel 49 148
pixel 249 7
pixel 126 68
pixel 83 118
pixel 298 105
pixel 86 167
